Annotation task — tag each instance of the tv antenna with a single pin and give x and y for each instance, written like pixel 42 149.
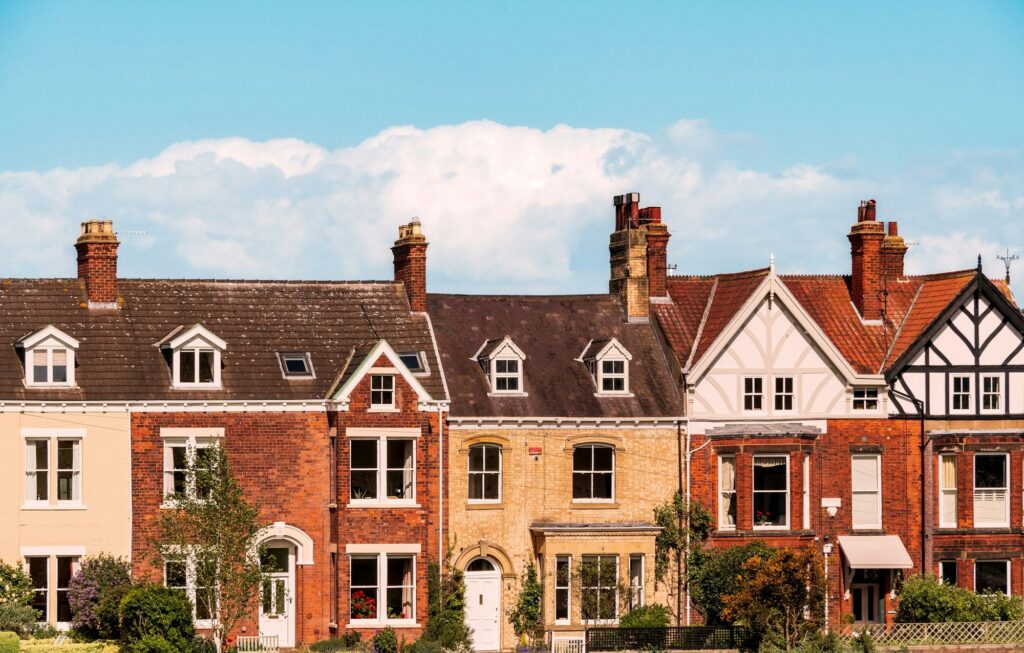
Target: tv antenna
pixel 1007 260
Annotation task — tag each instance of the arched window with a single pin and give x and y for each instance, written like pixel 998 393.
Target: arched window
pixel 593 473
pixel 485 473
pixel 480 564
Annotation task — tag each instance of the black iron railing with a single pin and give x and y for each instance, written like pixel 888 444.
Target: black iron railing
pixel 683 638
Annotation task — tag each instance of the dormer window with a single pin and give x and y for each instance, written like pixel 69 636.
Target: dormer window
pixel 608 363
pixel 49 358
pixel 195 357
pixel 502 362
pixel 414 361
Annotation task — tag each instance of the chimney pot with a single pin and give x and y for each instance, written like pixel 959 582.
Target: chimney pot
pixel 893 229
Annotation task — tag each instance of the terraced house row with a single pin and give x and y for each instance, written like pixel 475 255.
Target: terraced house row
pixel 876 414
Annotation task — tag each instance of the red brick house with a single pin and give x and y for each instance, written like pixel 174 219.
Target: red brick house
pixel 328 399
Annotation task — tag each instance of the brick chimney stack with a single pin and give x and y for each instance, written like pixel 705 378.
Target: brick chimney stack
pixel 410 253
pixel 894 249
pixel 97 263
pixel 865 252
pixel 638 253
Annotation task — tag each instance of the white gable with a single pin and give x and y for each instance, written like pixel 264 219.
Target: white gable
pixel 48 336
pixel 382 348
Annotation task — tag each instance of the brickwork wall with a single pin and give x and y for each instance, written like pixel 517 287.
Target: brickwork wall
pixel 97 268
pixel 537 488
pixel 281 461
pixel 830 454
pixel 376 525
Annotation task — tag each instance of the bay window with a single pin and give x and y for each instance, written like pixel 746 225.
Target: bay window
pixel 991 500
pixel 599 588
pixel 771 492
pixel 866 481
pixel 727 492
pixel 947 491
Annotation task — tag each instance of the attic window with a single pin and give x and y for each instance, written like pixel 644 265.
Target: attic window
pixel 502 362
pixel 195 357
pixel 412 361
pixel 49 358
pixel 296 366
pixel 608 363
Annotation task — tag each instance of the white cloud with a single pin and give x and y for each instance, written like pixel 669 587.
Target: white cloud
pixel 505 208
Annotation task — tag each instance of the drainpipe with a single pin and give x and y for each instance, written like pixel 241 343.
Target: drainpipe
pixel 686 581
pixel 679 566
pixel 440 485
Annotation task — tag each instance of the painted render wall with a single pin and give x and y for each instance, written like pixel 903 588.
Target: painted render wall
pixel 102 523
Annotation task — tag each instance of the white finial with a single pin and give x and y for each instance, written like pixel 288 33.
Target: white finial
pixel 771 263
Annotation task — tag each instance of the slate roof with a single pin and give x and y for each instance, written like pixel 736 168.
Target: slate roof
pixel 551 331
pixel 119 361
pixel 913 303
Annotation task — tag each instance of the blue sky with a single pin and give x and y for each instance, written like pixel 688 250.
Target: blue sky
pixel 738 118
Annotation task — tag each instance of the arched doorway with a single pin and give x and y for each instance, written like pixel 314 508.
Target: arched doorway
pixel 277 592
pixel 483 603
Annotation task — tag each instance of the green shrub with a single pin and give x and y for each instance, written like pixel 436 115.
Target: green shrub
pixel 925 599
pixel 446 610
pixel 527 616
pixel 654 615
pixel 424 646
pixel 15 585
pixel 17 618
pixel 156 611
pixel 95 594
pixel 715 573
pixel 9 642
pixel 385 641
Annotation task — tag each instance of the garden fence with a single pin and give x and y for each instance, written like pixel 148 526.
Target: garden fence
pixel 261 643
pixel 682 638
pixel 980 632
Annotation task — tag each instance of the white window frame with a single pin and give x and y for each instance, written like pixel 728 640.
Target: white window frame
pixel 948 495
pixel 49 339
pixel 953 394
pixel 614 587
pixel 1009 578
pixel 196 352
pixel 602 375
pixel 760 396
pixel 53 438
pixel 592 472
pixel 637 590
pixel 567 588
pixel 383 391
pixel 877 492
pixel 51 556
pixel 753 492
pixel 777 394
pixel 382 470
pixel 192 444
pixel 484 446
pixel 382 588
pixel 191 588
pixel 722 505
pixel 866 395
pixel 1005 489
pixel 996 395
pixel 517 375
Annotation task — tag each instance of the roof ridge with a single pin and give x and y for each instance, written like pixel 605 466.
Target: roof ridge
pixel 586 296
pixel 718 275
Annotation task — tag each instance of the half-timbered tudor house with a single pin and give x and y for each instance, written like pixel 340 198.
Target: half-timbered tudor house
pixel 957 370
pixel 564 436
pixel 326 396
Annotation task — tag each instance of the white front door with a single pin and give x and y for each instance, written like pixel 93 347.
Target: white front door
pixel 277 595
pixel 483 605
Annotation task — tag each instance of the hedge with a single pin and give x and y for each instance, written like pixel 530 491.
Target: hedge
pixel 8 642
pixel 46 646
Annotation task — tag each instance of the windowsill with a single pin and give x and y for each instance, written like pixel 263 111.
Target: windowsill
pixel 496 393
pixel 197 386
pixel 614 395
pixel 770 528
pixel 50 386
pixel 361 503
pixel 382 623
pixel 1003 525
pixel 868 530
pixel 383 409
pixel 59 506
pixel 593 505
pixel 484 505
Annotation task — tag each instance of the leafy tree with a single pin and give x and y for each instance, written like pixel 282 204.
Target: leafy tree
pixel 715 573
pixel 95 594
pixel 446 608
pixel 782 595
pixel 215 527
pixel 925 599
pixel 527 616
pixel 15 585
